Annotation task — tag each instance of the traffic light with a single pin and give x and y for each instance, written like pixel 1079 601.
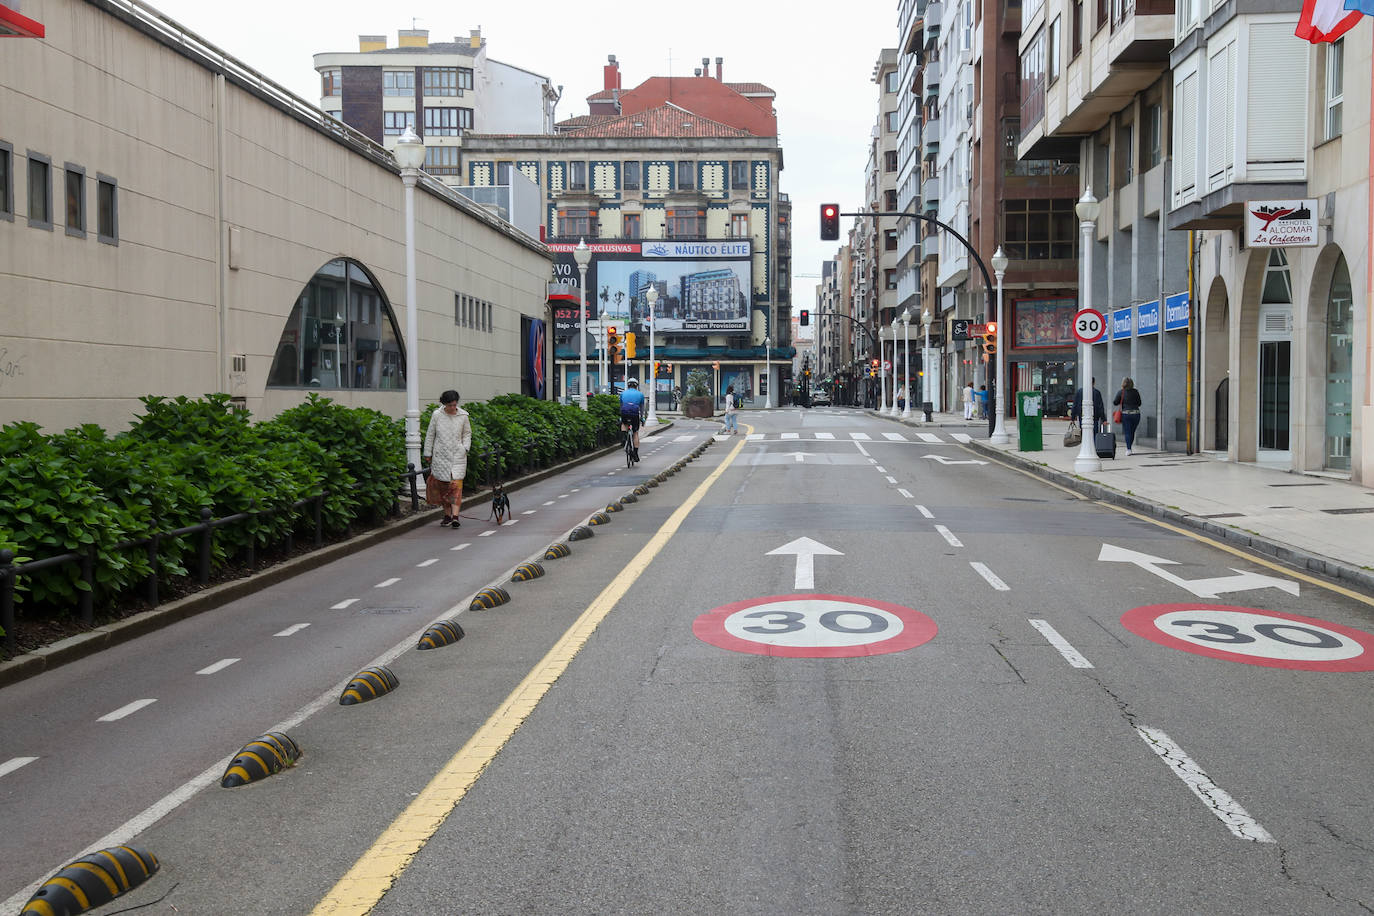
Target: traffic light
pixel 657 367
pixel 613 344
pixel 629 344
pixel 990 340
pixel 830 222
pixel 805 317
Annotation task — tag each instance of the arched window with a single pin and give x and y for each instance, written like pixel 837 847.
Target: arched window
pixel 1340 362
pixel 340 334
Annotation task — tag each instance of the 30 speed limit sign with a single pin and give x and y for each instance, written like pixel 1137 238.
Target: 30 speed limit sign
pixel 1089 326
pixel 1256 637
pixel 814 626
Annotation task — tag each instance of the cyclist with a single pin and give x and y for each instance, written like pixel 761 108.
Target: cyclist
pixel 631 406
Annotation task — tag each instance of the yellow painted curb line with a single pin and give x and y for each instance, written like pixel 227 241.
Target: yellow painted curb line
pixel 364 885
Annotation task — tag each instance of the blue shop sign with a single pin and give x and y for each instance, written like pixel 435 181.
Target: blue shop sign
pixel 1147 318
pixel 1176 312
pixel 1121 324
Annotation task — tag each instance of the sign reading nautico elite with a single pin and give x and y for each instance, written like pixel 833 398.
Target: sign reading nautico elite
pixel 814 626
pixel 1281 223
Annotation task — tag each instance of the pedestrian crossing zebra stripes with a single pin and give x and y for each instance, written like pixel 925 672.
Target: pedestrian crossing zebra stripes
pixel 927 438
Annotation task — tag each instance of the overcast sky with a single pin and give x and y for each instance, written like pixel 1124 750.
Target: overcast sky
pixel 817 59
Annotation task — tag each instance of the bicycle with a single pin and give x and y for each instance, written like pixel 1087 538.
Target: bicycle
pixel 629 443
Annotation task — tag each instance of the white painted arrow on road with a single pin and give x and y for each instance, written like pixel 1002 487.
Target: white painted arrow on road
pixel 798 456
pixel 943 460
pixel 1242 581
pixel 806 551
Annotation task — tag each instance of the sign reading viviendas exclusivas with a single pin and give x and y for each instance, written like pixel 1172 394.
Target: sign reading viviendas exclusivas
pixel 703 286
pixel 1281 223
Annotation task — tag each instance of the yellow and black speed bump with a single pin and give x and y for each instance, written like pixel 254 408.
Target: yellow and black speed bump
pixel 581 533
pixel 641 490
pixel 613 507
pixel 557 551
pixel 629 498
pixel 488 598
pixel 260 758
pixel 368 684
pixel 652 482
pixel 91 881
pixel 527 571
pixel 600 518
pixel 443 633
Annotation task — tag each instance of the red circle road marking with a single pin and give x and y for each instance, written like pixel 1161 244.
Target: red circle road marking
pixel 814 626
pixel 1253 636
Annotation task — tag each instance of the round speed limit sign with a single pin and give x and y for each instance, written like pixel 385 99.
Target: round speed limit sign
pixel 1255 637
pixel 814 626
pixel 1089 326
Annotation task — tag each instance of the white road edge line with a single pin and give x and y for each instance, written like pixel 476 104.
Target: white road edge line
pixel 991 577
pixel 343 604
pixel 948 536
pixel 126 710
pixel 14 763
pixel 1071 655
pixel 1213 796
pixel 218 666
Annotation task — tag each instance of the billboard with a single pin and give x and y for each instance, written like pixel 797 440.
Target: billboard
pixel 704 287
pixel 1043 322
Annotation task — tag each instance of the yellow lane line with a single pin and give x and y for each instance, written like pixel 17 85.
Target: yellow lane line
pixel 358 891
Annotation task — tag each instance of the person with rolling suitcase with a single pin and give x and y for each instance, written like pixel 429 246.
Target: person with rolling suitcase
pixel 1104 440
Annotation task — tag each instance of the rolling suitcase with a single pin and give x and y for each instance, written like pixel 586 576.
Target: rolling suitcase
pixel 1105 443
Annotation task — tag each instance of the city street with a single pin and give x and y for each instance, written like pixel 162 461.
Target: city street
pixel 835 665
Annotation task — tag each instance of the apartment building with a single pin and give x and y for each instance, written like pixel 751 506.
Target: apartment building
pixel 674 198
pixel 441 89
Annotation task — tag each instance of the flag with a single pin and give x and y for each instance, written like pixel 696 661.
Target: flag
pixel 1326 20
pixel 1364 6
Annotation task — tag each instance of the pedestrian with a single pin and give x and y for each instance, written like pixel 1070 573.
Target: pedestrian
pixel 1099 409
pixel 731 405
pixel 982 397
pixel 901 399
pixel 1128 400
pixel 446 446
pixel 968 401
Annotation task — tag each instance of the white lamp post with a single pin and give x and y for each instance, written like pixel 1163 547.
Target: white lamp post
pixel 410 155
pixel 882 375
pixel 651 297
pixel 906 362
pixel 582 255
pixel 925 368
pixel 768 372
pixel 1087 209
pixel 999 432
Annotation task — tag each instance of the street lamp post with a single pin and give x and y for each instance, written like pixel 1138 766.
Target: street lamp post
pixel 1087 460
pixel 882 375
pixel 768 372
pixel 582 255
pixel 410 155
pixel 926 406
pixel 999 433
pixel 651 297
pixel 906 362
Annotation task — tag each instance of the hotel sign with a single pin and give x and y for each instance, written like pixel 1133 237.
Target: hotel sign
pixel 1281 223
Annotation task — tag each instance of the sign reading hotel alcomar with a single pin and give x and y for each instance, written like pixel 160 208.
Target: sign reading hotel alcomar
pixel 704 287
pixel 1281 223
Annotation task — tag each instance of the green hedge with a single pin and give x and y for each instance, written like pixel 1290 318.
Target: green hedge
pixel 83 488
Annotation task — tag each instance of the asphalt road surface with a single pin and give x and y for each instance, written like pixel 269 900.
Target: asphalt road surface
pixel 833 666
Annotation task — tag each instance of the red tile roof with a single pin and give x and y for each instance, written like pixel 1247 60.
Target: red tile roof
pixel 664 121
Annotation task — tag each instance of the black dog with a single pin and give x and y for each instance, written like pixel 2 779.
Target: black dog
pixel 500 504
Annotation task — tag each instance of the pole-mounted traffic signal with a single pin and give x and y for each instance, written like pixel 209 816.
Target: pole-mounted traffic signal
pixel 629 344
pixel 830 222
pixel 805 317
pixel 990 341
pixel 613 344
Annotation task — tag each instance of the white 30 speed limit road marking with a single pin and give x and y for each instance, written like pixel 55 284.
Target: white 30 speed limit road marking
pixel 1256 637
pixel 814 626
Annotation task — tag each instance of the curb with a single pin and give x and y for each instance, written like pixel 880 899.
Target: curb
pixel 1327 567
pixel 31 664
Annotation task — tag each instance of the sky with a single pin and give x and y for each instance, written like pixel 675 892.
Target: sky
pixel 819 62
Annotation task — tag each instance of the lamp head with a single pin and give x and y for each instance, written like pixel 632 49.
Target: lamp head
pixel 410 149
pixel 1000 260
pixel 1088 206
pixel 582 254
pixel 651 295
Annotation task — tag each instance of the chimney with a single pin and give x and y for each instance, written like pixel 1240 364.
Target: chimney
pixel 412 38
pixel 610 74
pixel 696 72
pixel 475 38
pixel 705 68
pixel 371 43
pixel 719 61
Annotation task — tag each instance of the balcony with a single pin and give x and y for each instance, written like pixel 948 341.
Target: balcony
pixel 932 144
pixel 930 190
pixel 930 247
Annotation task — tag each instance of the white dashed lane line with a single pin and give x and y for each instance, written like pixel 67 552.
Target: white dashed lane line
pixel 127 710
pixel 1226 808
pixel 880 469
pixel 529 512
pixel 948 536
pixel 385 582
pixel 892 480
pixel 547 503
pixel 486 534
pixel 991 577
pixel 218 666
pixel 425 563
pixel 904 493
pixel 343 604
pixel 14 763
pixel 1071 655
pixel 924 511
pixel 292 630
pixel 461 547
pixel 507 524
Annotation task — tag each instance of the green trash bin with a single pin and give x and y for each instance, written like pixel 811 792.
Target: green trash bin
pixel 1028 425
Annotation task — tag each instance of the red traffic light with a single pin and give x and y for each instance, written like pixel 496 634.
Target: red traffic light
pixel 830 222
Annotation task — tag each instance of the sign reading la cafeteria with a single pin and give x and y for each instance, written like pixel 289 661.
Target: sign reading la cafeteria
pixel 1281 223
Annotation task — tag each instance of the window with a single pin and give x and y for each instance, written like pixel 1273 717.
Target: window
pixel 441 122
pixel 890 81
pixel 464 118
pixel 890 201
pixel 577 222
pixel 629 226
pixel 76 200
pixel 503 170
pixel 686 175
pixel 1038 229
pixel 1335 86
pixel 1125 151
pixel 1052 51
pixel 890 240
pixel 892 121
pixel 398 82
pixel 1078 29
pixel 107 209
pixel 890 161
pixel 631 181
pixel 1152 140
pixel 686 224
pixel 331 82
pixel 40 191
pixel 464 77
pixel 890 278
pixel 577 176
pixel 739 225
pixel 6 181
pixel 441 160
pixel 440 80
pixel 739 175
pixel 394 123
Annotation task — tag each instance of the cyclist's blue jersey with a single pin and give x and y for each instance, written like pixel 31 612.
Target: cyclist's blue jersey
pixel 631 401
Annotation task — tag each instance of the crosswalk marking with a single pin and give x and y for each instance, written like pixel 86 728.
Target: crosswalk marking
pixel 684 438
pixel 825 435
pixel 928 437
pixel 753 437
pixel 791 435
pixel 894 437
pixel 860 437
pixel 962 437
pixel 916 438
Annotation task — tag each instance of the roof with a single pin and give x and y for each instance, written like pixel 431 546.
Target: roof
pixel 666 120
pixel 434 47
pixel 751 89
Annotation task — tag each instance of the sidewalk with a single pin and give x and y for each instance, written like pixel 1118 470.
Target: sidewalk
pixel 1319 523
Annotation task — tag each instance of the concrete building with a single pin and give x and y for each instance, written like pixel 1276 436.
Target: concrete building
pixel 441 89
pixel 174 223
